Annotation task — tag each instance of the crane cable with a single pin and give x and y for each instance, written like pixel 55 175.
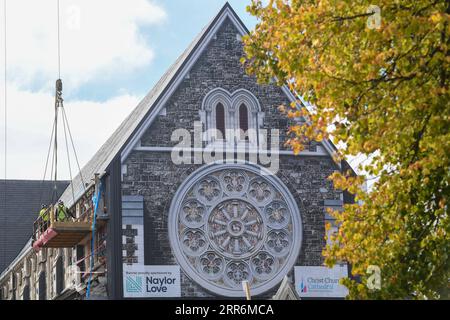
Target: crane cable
pixel 68 155
pixel 59 39
pixel 74 150
pixel 46 162
pixel 3 245
pixel 58 98
pixel 67 132
pixel 63 112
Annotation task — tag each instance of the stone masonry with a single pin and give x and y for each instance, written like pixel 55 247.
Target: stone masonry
pixel 154 176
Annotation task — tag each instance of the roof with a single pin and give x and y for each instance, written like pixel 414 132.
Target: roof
pixel 19 211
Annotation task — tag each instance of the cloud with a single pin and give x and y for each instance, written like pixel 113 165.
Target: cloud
pixel 99 39
pixel 30 120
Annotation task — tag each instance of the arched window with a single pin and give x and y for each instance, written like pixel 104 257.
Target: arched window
pixel 231 112
pixel 220 119
pixel 59 275
pixel 26 293
pixel 243 121
pixel 42 287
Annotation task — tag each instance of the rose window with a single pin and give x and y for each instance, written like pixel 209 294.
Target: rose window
pixel 229 223
pixel 193 213
pixel 235 228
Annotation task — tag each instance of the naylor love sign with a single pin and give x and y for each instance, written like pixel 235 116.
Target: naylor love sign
pixel 320 282
pixel 151 281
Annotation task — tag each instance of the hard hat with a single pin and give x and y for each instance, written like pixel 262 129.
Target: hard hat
pixel 43 206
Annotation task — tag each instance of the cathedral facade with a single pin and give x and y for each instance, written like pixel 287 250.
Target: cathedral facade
pixel 231 219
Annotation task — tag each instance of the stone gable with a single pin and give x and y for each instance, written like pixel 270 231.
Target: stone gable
pixel 153 175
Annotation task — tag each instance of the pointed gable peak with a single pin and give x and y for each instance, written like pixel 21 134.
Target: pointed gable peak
pixel 227 11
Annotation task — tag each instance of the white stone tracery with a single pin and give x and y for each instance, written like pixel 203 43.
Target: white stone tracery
pixel 229 223
pixel 231 104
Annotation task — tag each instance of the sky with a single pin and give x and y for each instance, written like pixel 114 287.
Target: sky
pixel 112 53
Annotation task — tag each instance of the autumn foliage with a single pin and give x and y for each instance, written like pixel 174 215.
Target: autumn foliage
pixel 376 83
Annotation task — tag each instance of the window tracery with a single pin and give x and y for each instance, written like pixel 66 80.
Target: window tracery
pixel 229 223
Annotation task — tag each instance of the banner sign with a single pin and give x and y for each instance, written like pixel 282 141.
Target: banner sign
pixel 320 282
pixel 140 281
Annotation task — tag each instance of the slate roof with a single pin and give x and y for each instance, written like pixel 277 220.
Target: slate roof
pixel 106 154
pixel 17 214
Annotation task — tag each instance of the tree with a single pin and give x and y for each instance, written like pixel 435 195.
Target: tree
pixel 376 80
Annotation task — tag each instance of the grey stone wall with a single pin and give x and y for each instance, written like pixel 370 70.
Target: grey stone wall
pixel 154 176
pixel 218 66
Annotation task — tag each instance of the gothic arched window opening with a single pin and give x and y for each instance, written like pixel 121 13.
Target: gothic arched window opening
pixel 229 114
pixel 220 119
pixel 243 121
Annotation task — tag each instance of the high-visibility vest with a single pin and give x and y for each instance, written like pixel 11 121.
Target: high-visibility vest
pixel 62 213
pixel 43 214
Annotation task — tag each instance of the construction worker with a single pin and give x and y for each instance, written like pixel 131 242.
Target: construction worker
pixel 61 212
pixel 43 214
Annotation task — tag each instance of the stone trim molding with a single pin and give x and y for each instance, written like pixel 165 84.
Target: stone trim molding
pixel 305 153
